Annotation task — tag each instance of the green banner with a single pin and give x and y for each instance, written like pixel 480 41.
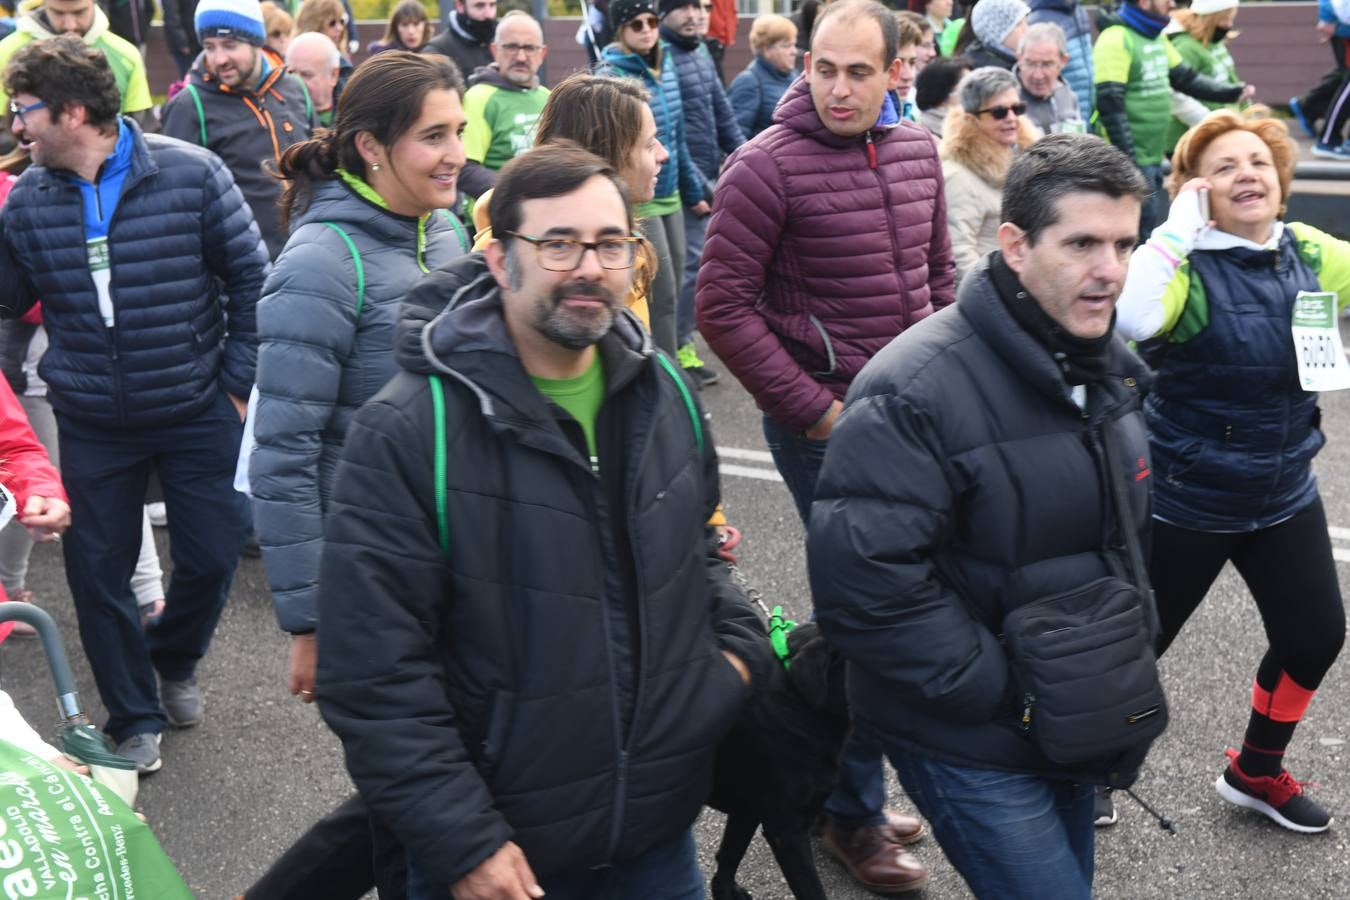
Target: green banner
pixel 64 836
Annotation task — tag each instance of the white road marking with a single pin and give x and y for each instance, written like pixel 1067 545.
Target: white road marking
pixel 1339 534
pixel 750 472
pixel 759 456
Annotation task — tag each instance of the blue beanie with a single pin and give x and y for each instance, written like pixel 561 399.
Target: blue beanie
pixel 240 19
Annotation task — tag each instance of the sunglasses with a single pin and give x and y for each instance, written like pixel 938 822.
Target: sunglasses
pixel 1001 112
pixel 646 23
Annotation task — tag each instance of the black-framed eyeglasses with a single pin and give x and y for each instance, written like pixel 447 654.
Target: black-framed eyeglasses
pixel 1001 112
pixel 513 49
pixel 20 111
pixel 565 254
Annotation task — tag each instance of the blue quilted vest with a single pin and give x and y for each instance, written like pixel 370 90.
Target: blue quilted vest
pixel 1232 432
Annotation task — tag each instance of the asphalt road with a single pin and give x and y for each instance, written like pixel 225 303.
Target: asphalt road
pixel 236 790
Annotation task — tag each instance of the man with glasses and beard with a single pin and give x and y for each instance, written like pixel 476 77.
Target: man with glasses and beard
pixel 520 515
pixel 503 102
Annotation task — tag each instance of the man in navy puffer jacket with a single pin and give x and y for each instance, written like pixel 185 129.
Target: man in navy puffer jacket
pixel 149 264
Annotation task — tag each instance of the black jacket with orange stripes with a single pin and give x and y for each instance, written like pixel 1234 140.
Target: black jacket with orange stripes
pixel 245 127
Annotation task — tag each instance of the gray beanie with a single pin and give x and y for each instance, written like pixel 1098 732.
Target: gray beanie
pixel 992 20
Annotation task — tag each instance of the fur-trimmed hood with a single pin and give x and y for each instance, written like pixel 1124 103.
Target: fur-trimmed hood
pixel 964 143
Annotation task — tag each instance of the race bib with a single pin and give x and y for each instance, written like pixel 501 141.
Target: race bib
pixel 1318 350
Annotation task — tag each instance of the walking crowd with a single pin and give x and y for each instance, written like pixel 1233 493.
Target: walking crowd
pixel 422 332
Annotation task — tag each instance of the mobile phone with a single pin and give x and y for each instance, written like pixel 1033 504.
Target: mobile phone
pixel 1204 205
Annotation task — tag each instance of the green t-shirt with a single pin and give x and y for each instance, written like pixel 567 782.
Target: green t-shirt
pixel 324 117
pixel 581 397
pixel 500 123
pixel 1123 55
pixel 1214 61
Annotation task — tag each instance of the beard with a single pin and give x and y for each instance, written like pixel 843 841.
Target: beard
pixel 571 327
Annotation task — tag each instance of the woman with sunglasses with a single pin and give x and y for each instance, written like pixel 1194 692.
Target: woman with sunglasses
pixel 1234 425
pixel 639 53
pixel 978 142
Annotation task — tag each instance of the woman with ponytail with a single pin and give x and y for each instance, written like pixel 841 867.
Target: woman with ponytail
pixel 365 204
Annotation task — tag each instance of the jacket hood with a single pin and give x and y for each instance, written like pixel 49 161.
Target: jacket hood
pixel 452 325
pixel 798 111
pixel 632 64
pixel 335 201
pixel 964 143
pixel 491 75
pixel 37 25
pixel 1106 18
pixel 977 299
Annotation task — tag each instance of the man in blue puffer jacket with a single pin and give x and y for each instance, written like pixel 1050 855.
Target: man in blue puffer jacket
pixel 1071 17
pixel 149 264
pixel 711 133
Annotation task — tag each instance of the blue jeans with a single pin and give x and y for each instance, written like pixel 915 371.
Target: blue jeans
pixel 1009 835
pixel 695 231
pixel 1156 204
pixel 798 460
pixel 667 872
pixel 860 796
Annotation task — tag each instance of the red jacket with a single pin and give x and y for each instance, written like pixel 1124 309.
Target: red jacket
pixel 820 250
pixel 25 469
pixel 723 22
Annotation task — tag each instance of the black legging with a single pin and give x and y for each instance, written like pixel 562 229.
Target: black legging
pixel 1290 572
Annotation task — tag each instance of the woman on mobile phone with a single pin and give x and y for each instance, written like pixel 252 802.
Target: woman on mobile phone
pixel 1233 423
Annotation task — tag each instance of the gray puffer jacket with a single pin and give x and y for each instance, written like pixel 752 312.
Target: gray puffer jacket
pixel 320 358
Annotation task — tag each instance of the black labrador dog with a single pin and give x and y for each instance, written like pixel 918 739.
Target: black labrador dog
pixel 779 763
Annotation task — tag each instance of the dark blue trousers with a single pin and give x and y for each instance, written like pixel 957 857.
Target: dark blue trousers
pixel 105 471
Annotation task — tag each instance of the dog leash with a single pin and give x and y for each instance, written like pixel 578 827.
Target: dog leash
pixel 779 625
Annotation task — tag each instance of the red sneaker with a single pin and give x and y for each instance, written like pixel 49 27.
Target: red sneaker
pixel 1280 799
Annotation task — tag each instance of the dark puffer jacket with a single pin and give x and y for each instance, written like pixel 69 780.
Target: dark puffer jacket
pixel 710 129
pixel 319 361
pixel 244 128
pixel 187 267
pixel 754 95
pixel 678 175
pixel 554 678
pixel 820 250
pixel 963 481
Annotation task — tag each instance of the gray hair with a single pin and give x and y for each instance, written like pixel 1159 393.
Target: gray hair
pixel 981 84
pixel 332 56
pixel 1044 33
pixel 512 15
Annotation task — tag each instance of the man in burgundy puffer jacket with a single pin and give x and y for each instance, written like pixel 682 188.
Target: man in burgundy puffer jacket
pixel 828 238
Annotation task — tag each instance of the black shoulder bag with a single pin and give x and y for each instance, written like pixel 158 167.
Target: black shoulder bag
pixel 1084 660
